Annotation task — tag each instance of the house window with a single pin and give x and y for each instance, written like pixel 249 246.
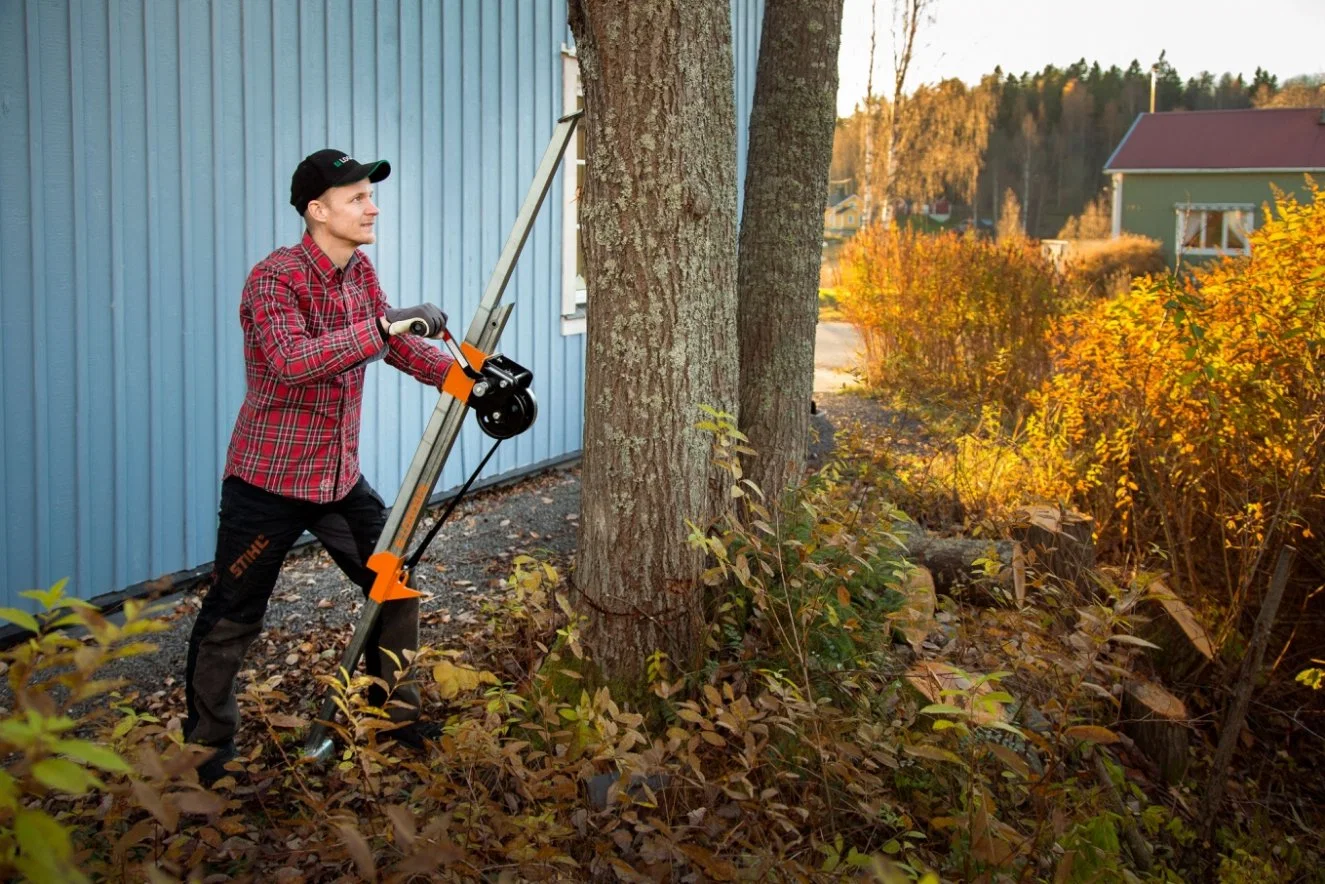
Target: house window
pixel 1214 229
pixel 574 291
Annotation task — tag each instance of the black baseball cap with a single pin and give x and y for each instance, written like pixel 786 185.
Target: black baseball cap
pixel 330 168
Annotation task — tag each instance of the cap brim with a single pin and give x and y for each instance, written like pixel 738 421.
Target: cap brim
pixel 374 172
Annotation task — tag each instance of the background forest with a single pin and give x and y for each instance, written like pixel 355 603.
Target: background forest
pixel 1045 135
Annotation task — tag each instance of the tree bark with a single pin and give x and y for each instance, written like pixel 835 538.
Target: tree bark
pixel 1158 722
pixel 952 562
pixel 786 189
pixel 1183 645
pixel 1062 543
pixel 658 215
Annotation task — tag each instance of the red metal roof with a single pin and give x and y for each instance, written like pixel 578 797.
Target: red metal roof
pixel 1272 138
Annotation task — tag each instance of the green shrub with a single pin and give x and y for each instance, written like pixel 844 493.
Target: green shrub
pixel 68 790
pixel 829 308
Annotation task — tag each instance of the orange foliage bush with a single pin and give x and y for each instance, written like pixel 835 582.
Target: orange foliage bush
pixel 1188 416
pixel 949 313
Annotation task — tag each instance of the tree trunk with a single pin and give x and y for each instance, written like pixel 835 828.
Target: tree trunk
pixel 953 563
pixel 1158 722
pixel 867 184
pixel 911 11
pixel 786 187
pixel 1184 647
pixel 890 168
pixel 1061 543
pixel 1026 192
pixel 658 215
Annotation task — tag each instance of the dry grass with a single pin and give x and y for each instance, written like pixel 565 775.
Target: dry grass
pixel 1107 266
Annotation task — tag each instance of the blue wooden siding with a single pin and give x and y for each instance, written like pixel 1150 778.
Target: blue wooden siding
pixel 747 20
pixel 148 147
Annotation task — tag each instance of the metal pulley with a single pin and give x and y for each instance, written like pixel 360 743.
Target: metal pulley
pixel 501 398
pixel 495 387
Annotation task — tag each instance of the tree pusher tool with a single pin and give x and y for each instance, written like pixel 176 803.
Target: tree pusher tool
pixel 495 387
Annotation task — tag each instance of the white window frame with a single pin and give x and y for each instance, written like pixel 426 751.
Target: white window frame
pixel 574 291
pixel 1183 210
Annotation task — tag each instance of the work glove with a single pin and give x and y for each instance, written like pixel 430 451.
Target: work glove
pixel 426 320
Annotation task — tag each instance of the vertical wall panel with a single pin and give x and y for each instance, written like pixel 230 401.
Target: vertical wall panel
pixel 569 424
pixel 410 250
pixel 18 491
pixel 150 146
pixel 196 137
pixel 137 325
pixel 166 410
pixel 89 320
pixel 229 178
pixel 747 20
pixel 48 105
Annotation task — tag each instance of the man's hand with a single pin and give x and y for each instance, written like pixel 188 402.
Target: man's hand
pixel 426 320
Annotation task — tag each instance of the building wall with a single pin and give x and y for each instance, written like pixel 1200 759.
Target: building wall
pixel 1150 201
pixel 148 148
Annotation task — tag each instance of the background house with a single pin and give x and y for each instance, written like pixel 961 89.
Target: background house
pixel 148 150
pixel 1198 181
pixel 841 221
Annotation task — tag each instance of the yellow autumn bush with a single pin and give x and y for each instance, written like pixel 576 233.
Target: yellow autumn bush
pixel 1188 415
pixel 961 315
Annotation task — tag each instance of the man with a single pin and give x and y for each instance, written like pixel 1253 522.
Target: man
pixel 313 316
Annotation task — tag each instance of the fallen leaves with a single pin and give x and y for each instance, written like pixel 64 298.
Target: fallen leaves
pixel 1092 733
pixel 279 720
pixel 452 679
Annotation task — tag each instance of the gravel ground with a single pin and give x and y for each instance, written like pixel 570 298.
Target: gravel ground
pixel 314 607
pixel 838 411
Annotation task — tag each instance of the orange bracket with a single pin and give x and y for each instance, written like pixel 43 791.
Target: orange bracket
pixel 456 382
pixel 389 585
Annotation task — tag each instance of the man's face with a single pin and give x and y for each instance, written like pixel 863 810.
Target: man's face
pixel 347 212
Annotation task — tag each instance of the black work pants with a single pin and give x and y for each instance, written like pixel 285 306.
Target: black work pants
pixel 257 529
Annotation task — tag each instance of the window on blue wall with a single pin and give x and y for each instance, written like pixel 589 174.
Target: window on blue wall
pixel 574 291
pixel 1212 229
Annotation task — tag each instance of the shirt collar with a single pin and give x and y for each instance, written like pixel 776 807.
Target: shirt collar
pixel 321 263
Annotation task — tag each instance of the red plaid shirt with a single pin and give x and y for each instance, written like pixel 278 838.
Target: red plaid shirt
pixel 310 328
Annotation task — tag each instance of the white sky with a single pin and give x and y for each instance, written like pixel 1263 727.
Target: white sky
pixel 969 37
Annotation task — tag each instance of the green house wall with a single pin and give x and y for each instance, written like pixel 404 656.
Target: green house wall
pixel 1150 200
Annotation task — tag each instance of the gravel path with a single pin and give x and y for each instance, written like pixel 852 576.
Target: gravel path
pixel 314 607
pixel 840 411
pixel 837 348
